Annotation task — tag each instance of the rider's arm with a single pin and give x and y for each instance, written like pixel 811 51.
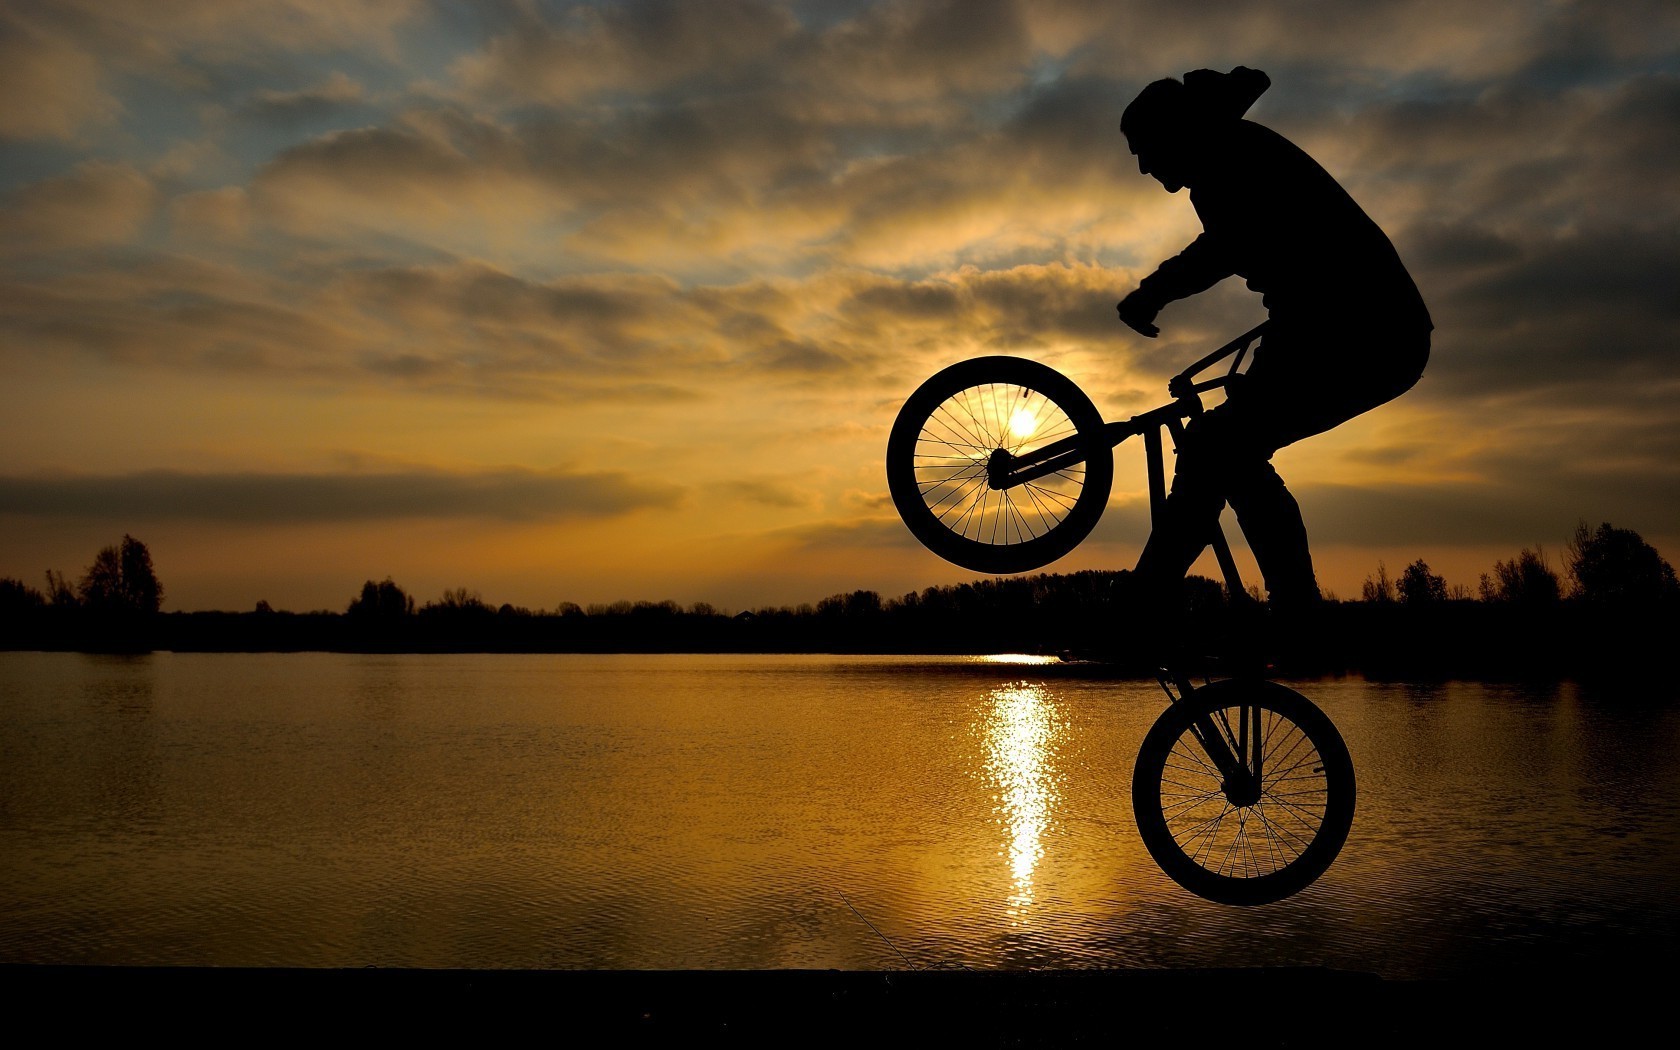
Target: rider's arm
pixel 1195 269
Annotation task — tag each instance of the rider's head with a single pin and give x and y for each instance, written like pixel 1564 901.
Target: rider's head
pixel 1171 123
pixel 1155 126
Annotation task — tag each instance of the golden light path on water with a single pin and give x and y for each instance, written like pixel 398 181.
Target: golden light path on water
pixel 1021 727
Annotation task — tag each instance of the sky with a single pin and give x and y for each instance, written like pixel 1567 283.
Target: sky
pixel 568 302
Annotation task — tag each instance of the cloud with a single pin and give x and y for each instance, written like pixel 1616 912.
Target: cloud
pixel 439 181
pixel 332 96
pixel 50 86
pixel 168 39
pixel 464 330
pixel 909 52
pixel 848 534
pixel 1480 515
pixel 769 493
pixel 636 47
pixel 222 214
pixel 94 203
pixel 246 499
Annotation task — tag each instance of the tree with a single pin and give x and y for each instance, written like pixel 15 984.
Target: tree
pixel 458 606
pixel 856 605
pixel 59 593
pixel 141 589
pixel 459 600
pixel 1378 588
pixel 1615 567
pixel 381 602
pixel 17 597
pixel 120 580
pixel 1526 579
pixel 100 587
pixel 1418 586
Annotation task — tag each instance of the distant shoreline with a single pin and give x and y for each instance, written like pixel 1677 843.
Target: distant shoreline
pixel 1607 624
pixel 1453 640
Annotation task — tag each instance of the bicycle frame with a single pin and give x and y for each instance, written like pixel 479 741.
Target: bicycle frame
pixel 1235 753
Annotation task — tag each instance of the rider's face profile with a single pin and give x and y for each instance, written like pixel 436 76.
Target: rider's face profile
pixel 1160 163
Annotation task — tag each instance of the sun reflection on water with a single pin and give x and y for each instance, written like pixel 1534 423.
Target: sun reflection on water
pixel 1024 659
pixel 1021 726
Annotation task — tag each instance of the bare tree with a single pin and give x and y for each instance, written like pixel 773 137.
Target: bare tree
pixel 1527 579
pixel 1378 588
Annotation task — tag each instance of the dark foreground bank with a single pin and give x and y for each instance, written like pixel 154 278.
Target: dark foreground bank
pixel 1252 1007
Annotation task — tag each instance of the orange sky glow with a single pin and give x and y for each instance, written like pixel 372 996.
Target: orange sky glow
pixel 564 302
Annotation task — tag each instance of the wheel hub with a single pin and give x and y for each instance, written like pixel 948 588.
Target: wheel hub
pixel 1241 789
pixel 997 468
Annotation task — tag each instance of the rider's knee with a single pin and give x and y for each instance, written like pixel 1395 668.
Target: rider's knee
pixel 1256 483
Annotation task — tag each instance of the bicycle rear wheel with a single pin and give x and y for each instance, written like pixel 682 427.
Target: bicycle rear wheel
pixel 947 433
pixel 1238 842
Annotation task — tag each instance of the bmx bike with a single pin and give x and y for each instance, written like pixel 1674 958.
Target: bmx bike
pixel 1243 790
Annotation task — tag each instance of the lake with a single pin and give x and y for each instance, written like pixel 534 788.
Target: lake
pixel 636 812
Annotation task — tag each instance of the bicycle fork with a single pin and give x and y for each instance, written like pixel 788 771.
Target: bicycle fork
pixel 1237 752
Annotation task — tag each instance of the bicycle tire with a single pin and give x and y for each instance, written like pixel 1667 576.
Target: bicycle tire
pixel 938 449
pixel 1278 844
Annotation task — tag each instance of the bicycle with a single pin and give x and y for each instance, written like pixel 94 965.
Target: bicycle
pixel 1243 790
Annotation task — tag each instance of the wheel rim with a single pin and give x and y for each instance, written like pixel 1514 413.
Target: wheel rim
pixel 957 441
pixel 1251 841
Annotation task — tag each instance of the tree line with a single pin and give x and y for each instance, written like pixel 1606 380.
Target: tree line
pixel 1606 568
pixel 1612 601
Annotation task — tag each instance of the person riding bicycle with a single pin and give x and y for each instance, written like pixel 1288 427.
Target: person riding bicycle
pixel 1347 328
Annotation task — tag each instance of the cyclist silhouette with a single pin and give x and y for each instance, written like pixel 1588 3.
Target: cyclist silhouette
pixel 1347 328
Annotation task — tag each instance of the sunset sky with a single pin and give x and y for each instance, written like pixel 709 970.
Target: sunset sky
pixel 581 302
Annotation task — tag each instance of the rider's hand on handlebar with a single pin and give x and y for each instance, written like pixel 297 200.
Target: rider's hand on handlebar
pixel 1138 312
pixel 1181 385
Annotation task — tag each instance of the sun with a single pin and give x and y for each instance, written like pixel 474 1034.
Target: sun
pixel 1022 423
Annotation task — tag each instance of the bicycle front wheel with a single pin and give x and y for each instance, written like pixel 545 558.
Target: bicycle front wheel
pixel 947 434
pixel 1265 827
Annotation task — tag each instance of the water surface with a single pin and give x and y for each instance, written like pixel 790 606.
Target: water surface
pixel 660 811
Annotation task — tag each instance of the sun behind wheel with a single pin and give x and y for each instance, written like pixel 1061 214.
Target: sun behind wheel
pixel 967 418
pixel 1240 839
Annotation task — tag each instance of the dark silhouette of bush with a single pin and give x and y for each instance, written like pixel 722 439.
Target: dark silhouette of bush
pixel 1526 580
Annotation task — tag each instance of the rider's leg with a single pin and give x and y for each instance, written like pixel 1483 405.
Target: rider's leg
pixel 1271 520
pixel 1179 537
pixel 1183 529
pixel 1225 455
